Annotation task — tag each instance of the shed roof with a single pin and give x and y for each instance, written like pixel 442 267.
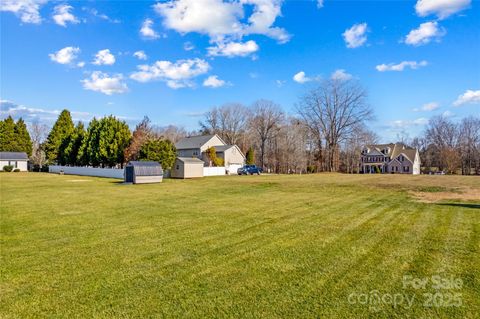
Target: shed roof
pixel 146 168
pixel 190 160
pixel 13 156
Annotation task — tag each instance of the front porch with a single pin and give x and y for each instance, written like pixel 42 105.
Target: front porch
pixel 372 168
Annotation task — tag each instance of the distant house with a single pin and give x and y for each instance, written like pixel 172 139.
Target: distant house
pixel 16 159
pixel 390 158
pixel 196 146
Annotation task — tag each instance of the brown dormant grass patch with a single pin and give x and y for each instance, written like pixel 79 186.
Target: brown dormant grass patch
pixel 460 194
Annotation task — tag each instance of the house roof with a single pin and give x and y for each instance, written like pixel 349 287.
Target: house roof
pixel 190 160
pixel 13 156
pixel 394 150
pixel 194 141
pixel 223 148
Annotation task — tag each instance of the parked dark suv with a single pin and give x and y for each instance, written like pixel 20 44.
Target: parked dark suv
pixel 249 169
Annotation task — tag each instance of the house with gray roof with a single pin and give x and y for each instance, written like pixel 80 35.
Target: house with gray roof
pixel 390 158
pixel 19 160
pixel 196 146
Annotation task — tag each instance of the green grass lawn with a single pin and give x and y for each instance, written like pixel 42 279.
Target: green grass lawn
pixel 240 246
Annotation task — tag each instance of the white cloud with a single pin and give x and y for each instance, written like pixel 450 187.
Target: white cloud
pixel 65 56
pixel 81 64
pixel 62 15
pixel 214 82
pixel 188 46
pixel 99 15
pixel 27 10
pixel 341 75
pixel 280 83
pixel 448 114
pixel 102 82
pixel 176 75
pixel 469 97
pixel 401 66
pixel 219 19
pixel 140 55
pixel 409 123
pixel 300 77
pixel 425 33
pixel 427 107
pixel 440 8
pixel 356 36
pixel 320 4
pixel 147 31
pixel 104 57
pixel 232 49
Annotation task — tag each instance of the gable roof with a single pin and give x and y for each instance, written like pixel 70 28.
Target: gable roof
pixel 13 156
pixel 395 150
pixel 194 141
pixel 190 160
pixel 146 168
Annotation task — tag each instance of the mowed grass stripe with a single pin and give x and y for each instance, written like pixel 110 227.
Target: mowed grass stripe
pixel 256 246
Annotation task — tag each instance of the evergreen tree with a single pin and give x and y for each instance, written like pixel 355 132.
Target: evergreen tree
pixel 62 129
pixel 24 143
pixel 69 150
pixel 250 156
pixel 8 141
pixel 159 150
pixel 105 142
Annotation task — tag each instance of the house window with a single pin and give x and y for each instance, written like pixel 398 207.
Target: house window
pixel 13 163
pixel 178 167
pixel 406 168
pixel 195 153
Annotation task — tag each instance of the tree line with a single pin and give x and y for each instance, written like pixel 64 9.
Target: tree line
pixel 106 142
pixel 327 133
pixel 14 136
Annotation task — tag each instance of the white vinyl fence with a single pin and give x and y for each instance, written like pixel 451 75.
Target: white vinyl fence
pixel 213 171
pixel 87 171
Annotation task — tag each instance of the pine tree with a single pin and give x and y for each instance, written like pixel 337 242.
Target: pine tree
pixel 70 147
pixel 250 156
pixel 8 141
pixel 61 130
pixel 24 143
pixel 159 150
pixel 105 142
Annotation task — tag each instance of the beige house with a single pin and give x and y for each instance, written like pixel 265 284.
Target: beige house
pixel 187 167
pixel 196 146
pixel 390 158
pixel 19 160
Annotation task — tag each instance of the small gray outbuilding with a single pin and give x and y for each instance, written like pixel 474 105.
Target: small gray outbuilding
pixel 140 172
pixel 187 167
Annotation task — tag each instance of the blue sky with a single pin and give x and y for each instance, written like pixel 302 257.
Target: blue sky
pixel 416 59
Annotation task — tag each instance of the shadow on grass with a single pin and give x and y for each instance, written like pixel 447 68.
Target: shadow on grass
pixel 464 205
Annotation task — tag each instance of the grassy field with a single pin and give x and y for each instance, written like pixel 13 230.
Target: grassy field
pixel 311 246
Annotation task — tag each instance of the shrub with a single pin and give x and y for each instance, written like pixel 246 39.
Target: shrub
pixel 311 169
pixel 7 168
pixel 16 170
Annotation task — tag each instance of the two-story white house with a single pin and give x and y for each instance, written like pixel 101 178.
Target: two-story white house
pixel 390 158
pixel 196 146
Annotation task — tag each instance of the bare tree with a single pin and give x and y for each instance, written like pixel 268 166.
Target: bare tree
pixel 170 132
pixel 443 139
pixel 353 146
pixel 332 111
pixel 140 135
pixel 38 134
pixel 228 121
pixel 469 144
pixel 265 124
